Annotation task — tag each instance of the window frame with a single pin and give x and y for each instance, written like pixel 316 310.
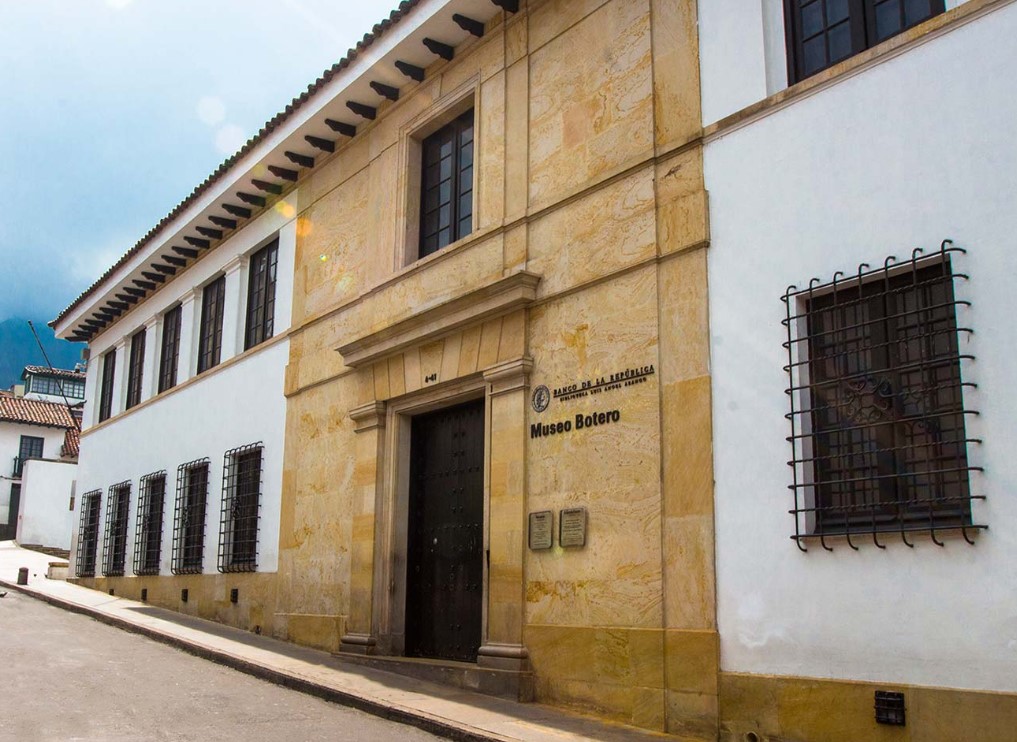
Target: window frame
pixel 169 348
pixel 88 534
pixel 861 20
pixel 877 389
pixel 261 289
pixel 136 369
pixel 213 309
pixel 108 375
pixel 454 133
pixel 241 504
pixel 114 547
pixel 149 523
pixel 190 511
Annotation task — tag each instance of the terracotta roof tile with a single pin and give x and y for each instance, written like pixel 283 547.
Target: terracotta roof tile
pixel 274 123
pixel 72 441
pixel 61 373
pixel 34 412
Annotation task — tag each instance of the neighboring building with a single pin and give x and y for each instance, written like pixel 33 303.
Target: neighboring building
pixel 39 453
pixel 898 399
pixel 427 369
pixel 54 385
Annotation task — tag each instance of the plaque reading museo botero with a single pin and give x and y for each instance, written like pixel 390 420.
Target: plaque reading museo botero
pixel 541 530
pixel 572 527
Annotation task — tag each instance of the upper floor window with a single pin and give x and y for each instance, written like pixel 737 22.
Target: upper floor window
pixel 136 368
pixel 30 447
pixel 823 32
pixel 879 438
pixel 213 299
pixel 446 189
pixel 109 368
pixel 70 388
pixel 261 295
pixel 169 354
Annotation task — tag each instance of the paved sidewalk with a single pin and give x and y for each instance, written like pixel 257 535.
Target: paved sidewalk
pixel 450 712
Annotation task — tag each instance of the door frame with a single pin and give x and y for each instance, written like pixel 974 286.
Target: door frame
pixel 391 525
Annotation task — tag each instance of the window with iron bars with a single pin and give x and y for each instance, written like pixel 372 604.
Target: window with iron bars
pixel 878 431
pixel 261 295
pixel 241 495
pixel 189 517
pixel 114 548
pixel 148 531
pixel 821 33
pixel 88 534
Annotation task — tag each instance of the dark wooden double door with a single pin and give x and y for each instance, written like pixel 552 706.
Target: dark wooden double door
pixel 445 568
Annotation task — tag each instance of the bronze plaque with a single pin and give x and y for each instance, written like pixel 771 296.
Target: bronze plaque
pixel 541 530
pixel 572 527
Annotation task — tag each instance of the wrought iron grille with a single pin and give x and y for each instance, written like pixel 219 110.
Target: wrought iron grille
pixel 241 495
pixel 148 531
pixel 114 548
pixel 88 533
pixel 189 517
pixel 877 403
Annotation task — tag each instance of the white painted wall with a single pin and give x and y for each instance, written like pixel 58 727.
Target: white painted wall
pixel 46 517
pixel 743 57
pixel 911 151
pixel 10 442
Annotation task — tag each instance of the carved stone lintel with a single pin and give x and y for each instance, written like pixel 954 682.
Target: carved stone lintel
pixel 368 417
pixel 499 656
pixel 357 644
pixel 510 376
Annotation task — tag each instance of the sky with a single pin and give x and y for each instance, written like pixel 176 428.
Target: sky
pixel 112 111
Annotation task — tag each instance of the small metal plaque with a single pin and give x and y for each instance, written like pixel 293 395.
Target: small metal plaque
pixel 572 527
pixel 541 530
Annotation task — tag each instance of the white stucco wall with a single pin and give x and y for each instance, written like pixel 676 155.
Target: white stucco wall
pixel 10 441
pixel 46 516
pixel 911 151
pixel 232 407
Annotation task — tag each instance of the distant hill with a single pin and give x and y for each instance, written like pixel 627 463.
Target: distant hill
pixel 19 349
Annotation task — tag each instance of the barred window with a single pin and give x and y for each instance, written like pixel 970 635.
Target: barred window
pixel 241 495
pixel 877 410
pixel 136 369
pixel 109 369
pixel 213 300
pixel 88 533
pixel 821 33
pixel 446 189
pixel 148 531
pixel 189 517
pixel 261 295
pixel 114 550
pixel 170 354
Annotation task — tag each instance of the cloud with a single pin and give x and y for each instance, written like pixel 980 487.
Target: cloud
pixel 229 139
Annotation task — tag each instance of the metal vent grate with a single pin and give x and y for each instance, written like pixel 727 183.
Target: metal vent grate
pixel 88 534
pixel 114 551
pixel 189 517
pixel 890 708
pixel 877 403
pixel 148 531
pixel 241 496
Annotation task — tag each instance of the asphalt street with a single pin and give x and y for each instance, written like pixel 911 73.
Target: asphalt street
pixel 69 677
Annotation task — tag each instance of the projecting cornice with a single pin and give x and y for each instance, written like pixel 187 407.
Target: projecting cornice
pixel 487 302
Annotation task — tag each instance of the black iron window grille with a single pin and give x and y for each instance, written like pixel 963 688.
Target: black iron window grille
pixel 821 33
pixel 261 295
pixel 213 302
pixel 148 530
pixel 136 369
pixel 114 548
pixel 88 533
pixel 446 190
pixel 877 403
pixel 170 352
pixel 109 369
pixel 241 496
pixel 189 517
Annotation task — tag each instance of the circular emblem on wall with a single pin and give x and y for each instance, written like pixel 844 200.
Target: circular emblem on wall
pixel 541 398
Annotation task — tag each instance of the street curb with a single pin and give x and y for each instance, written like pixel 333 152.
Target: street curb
pixel 420 720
